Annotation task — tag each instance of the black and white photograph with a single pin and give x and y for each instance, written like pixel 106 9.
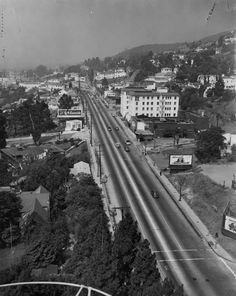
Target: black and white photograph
pixel 117 147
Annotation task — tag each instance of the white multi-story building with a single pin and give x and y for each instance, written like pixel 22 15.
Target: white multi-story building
pixel 118 73
pixel 139 101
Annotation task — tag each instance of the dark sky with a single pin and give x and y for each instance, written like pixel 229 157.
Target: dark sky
pixel 57 32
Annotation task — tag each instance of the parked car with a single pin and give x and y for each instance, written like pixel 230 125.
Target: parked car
pixel 128 142
pixel 117 128
pixel 117 145
pixel 109 129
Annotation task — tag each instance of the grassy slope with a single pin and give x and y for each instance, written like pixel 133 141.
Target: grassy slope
pixel 209 200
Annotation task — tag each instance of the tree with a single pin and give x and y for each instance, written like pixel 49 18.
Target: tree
pixel 190 100
pixel 233 151
pixel 219 87
pixel 209 144
pixel 181 180
pixel 124 250
pixel 3 134
pixel 144 272
pixel 91 74
pixel 65 102
pixel 5 175
pixel 49 246
pixel 10 210
pixel 50 172
pixel 34 118
pixel 105 83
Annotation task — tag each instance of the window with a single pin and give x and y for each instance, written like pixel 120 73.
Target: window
pixel 147 108
pixel 143 103
pixel 151 108
pixel 143 108
pixel 151 114
pixel 174 114
pixel 151 103
pixel 136 108
pixel 136 103
pixel 136 114
pixel 127 107
pixel 174 103
pixel 174 108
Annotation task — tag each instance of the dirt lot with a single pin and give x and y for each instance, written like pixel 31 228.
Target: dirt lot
pixel 220 173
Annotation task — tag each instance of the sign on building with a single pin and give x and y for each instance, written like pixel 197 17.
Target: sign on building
pixel 69 112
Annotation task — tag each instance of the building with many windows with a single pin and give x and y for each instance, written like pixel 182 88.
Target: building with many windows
pixel 140 101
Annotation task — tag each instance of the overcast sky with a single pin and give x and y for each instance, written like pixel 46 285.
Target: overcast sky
pixel 57 32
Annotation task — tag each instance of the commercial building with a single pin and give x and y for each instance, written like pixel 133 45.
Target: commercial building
pixel 140 101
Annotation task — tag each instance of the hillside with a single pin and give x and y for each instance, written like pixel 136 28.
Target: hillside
pixel 158 48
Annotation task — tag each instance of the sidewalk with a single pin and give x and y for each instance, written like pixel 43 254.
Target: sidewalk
pixel 186 210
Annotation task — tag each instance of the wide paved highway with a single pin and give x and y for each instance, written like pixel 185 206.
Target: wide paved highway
pixel 182 254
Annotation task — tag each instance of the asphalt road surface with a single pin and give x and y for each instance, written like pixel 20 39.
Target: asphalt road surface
pixel 182 254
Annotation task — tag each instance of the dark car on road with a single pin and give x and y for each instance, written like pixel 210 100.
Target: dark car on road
pixel 127 149
pixel 154 194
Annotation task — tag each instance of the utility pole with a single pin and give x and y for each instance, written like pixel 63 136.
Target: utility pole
pixel 91 130
pixel 99 162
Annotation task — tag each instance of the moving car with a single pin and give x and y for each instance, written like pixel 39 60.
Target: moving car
pixel 117 145
pixel 109 129
pixel 117 128
pixel 127 149
pixel 154 194
pixel 128 142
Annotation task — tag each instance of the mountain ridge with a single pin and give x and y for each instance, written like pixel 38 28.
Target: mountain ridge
pixel 160 47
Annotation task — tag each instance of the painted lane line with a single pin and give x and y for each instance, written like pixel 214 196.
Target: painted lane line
pixel 228 267
pixel 181 250
pixel 185 259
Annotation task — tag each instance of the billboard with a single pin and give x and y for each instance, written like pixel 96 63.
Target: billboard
pixel 69 112
pixel 230 224
pixel 180 161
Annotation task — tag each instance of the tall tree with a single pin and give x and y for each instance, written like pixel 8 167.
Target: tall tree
pixel 10 210
pixel 3 134
pixel 144 272
pixel 65 102
pixel 124 250
pixel 105 83
pixel 219 88
pixel 209 144
pixel 34 118
pixel 5 175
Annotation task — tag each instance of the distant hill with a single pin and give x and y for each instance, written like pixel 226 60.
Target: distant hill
pixel 158 48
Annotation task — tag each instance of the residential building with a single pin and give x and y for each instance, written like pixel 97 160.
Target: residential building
pixel 229 82
pixel 166 70
pixel 35 205
pixel 208 79
pixel 140 101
